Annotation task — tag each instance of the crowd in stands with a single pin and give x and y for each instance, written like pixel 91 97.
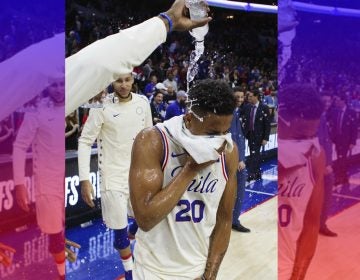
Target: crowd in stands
pixel 240 48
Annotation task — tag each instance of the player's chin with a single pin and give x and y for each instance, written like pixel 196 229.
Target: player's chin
pixel 124 93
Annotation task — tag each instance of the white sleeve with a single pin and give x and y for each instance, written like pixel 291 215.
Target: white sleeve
pixel 44 62
pixel 22 143
pixel 89 133
pixel 148 116
pixel 93 68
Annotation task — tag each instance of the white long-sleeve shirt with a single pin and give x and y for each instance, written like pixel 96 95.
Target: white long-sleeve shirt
pixel 115 126
pixel 93 68
pixel 44 63
pixel 44 131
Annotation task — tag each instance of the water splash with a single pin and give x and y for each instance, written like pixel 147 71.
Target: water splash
pixel 193 64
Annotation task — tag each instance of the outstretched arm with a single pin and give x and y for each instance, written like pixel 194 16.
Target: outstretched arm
pixel 93 68
pixel 220 236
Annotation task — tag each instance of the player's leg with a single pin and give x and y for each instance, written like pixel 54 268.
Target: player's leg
pixel 257 161
pixel 328 187
pixel 50 218
pixel 341 172
pixel 122 245
pixel 250 160
pixel 57 250
pixel 132 224
pixel 114 210
pixel 241 182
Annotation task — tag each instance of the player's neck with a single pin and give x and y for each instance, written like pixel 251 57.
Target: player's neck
pixel 124 99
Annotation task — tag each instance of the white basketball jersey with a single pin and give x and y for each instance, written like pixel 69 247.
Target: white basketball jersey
pixel 294 194
pixel 178 246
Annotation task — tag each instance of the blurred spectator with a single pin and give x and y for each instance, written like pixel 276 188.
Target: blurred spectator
pixel 257 131
pixel 170 95
pixel 178 107
pixel 157 107
pixel 71 131
pixel 343 131
pixel 326 144
pixel 6 137
pixel 272 102
pixel 150 87
pixel 161 87
pixel 170 82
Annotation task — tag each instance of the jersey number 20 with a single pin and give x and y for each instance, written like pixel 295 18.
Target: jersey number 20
pixel 196 207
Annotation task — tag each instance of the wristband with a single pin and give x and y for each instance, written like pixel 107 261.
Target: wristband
pixel 165 16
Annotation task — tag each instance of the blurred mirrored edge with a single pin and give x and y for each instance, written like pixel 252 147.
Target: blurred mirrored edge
pixel 31 169
pixel 332 247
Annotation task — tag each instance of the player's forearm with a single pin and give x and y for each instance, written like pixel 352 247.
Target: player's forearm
pixel 305 251
pixel 219 242
pixel 156 208
pixel 93 68
pixel 19 158
pixel 69 133
pixel 84 157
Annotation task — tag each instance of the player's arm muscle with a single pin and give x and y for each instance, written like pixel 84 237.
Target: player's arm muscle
pixel 307 241
pixel 152 203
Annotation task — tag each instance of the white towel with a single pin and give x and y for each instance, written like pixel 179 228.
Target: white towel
pixel 202 148
pixel 293 152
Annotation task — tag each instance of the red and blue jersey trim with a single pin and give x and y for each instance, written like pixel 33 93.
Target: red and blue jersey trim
pixel 223 167
pixel 165 148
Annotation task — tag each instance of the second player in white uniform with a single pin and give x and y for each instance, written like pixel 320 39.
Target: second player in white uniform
pixel 115 127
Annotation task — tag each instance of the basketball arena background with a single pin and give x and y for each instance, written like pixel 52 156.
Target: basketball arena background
pixel 325 49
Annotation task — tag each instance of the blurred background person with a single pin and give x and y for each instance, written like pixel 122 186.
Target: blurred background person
pixel 158 107
pixel 43 130
pixel 237 134
pixel 326 144
pixel 257 131
pixel 343 132
pixel 178 107
pixel 71 131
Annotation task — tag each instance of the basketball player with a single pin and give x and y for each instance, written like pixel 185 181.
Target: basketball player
pixel 115 127
pixel 43 129
pixel 183 190
pixel 301 173
pixel 93 68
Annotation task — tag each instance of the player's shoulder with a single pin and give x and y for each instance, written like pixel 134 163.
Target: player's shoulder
pixel 149 140
pixel 33 115
pixel 232 159
pixel 140 98
pixel 148 134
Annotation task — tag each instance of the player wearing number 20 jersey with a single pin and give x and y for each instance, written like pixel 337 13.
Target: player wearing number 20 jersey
pixel 178 246
pixel 295 190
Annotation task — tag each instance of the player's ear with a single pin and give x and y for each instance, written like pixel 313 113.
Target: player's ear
pixel 187 119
